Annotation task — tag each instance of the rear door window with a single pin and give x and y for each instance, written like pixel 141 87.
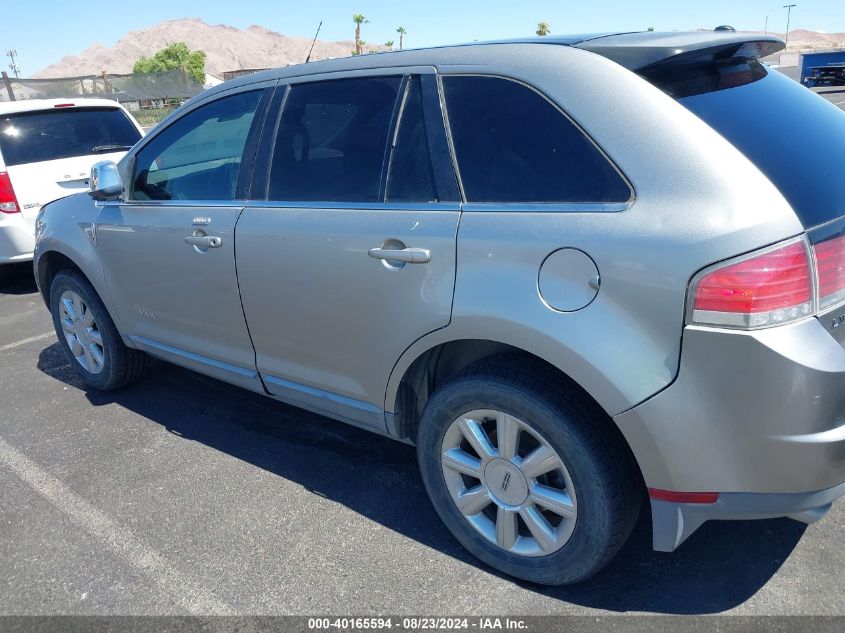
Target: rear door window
pixel 34 137
pixel 332 139
pixel 513 145
pixel 199 155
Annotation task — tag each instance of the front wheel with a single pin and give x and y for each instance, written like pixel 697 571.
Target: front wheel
pixel 89 337
pixel 527 479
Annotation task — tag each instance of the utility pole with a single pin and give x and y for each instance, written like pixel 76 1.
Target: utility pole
pixel 788 8
pixel 13 65
pixel 8 83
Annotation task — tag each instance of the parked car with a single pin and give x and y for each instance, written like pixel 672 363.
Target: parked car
pixel 580 274
pixel 47 148
pixel 825 76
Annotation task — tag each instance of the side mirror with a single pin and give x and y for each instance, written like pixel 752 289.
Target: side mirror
pixel 105 183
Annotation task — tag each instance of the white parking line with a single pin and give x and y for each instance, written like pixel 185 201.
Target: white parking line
pixel 192 595
pixel 31 339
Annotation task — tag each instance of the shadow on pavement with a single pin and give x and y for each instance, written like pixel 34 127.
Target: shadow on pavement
pixel 719 567
pixel 17 279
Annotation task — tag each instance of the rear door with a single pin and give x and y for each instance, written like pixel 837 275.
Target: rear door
pixel 350 257
pixel 49 153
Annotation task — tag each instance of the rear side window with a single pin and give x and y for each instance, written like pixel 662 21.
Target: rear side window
pixel 198 156
pixel 33 137
pixel 410 177
pixel 332 139
pixel 513 145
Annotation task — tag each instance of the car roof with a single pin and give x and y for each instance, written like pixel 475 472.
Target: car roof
pixel 34 105
pixel 633 50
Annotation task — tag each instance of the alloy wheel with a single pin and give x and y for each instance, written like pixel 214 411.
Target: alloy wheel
pixel 508 483
pixel 81 332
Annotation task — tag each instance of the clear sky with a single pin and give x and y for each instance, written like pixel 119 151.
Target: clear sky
pixel 43 31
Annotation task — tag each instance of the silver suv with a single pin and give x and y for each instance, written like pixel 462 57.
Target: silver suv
pixel 580 274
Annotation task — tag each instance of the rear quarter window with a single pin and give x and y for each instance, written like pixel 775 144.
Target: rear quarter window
pixel 513 145
pixel 33 137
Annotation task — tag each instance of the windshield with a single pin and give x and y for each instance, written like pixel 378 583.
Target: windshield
pixel 794 136
pixel 32 137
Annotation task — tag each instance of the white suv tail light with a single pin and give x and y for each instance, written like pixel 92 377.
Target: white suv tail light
pixel 8 200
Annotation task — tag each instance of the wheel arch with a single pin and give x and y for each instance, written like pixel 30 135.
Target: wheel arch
pixel 53 258
pixel 434 360
pixel 49 264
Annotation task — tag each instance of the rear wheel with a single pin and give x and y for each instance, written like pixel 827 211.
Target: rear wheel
pixel 527 479
pixel 89 337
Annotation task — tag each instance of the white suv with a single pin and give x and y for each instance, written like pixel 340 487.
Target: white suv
pixel 47 148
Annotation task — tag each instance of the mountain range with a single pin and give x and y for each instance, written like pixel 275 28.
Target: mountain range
pixel 226 48
pixel 229 48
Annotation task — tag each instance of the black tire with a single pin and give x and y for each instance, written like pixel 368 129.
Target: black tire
pixel 607 483
pixel 121 365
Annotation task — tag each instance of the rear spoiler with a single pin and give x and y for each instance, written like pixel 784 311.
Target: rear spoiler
pixel 641 51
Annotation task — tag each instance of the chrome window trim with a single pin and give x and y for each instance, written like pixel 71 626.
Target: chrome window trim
pixel 179 203
pixel 354 206
pixel 449 140
pixel 382 71
pixel 547 207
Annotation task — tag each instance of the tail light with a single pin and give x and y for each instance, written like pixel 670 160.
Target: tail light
pixel 830 264
pixel 767 288
pixel 8 200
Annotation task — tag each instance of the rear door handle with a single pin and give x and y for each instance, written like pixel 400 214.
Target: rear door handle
pixel 204 241
pixel 406 255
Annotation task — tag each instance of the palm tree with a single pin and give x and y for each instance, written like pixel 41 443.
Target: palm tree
pixel 389 44
pixel 402 32
pixel 358 19
pixel 543 28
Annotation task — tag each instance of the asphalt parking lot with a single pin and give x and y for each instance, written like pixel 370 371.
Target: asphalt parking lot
pixel 184 495
pixel 836 95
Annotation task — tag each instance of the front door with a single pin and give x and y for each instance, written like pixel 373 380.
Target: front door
pixel 351 257
pixel 168 250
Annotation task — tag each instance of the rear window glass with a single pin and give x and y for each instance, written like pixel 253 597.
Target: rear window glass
pixel 794 136
pixel 513 145
pixel 32 137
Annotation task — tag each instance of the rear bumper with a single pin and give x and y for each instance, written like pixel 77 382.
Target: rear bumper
pixel 758 417
pixel 17 238
pixel 673 523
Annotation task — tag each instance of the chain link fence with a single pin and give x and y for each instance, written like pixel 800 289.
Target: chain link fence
pixel 150 97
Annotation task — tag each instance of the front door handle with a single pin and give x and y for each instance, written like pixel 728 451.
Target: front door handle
pixel 204 241
pixel 405 255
